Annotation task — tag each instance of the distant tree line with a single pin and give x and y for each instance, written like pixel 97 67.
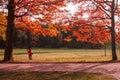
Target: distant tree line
pixel 39 41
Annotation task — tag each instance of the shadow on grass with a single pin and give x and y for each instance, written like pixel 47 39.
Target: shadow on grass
pixel 110 61
pixel 53 76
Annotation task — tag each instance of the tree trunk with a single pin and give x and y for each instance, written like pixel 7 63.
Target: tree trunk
pixel 29 40
pixel 105 50
pixel 8 56
pixel 114 56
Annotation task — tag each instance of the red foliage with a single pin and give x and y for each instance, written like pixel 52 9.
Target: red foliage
pixel 118 37
pixel 34 27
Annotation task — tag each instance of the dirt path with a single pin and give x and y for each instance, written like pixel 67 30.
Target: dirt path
pixel 106 68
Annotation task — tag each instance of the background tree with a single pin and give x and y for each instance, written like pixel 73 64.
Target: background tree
pixel 3 25
pixel 83 26
pixel 98 16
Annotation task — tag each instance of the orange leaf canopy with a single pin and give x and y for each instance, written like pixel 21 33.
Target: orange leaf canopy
pixel 36 28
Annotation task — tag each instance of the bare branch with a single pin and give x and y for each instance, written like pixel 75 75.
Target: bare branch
pixel 116 7
pixel 101 7
pixel 107 3
pixel 20 1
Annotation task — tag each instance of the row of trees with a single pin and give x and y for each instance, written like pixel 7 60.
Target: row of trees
pixel 94 22
pixel 21 41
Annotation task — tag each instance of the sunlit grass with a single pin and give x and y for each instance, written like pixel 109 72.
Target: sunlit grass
pixel 53 76
pixel 62 55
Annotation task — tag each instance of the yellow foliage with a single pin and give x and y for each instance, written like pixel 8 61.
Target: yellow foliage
pixel 3 23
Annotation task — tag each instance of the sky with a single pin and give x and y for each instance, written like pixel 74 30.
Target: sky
pixel 72 8
pixel 119 2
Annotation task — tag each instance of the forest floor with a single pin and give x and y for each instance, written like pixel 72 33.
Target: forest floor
pixel 105 68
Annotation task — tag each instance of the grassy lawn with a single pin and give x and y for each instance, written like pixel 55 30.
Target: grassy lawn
pixel 58 55
pixel 62 55
pixel 52 76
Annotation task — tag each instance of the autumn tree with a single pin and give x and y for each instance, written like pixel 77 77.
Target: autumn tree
pixel 95 21
pixel 19 8
pixel 110 9
pixel 84 25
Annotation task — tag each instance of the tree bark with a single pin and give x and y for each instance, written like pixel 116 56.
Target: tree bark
pixel 114 56
pixel 8 56
pixel 29 40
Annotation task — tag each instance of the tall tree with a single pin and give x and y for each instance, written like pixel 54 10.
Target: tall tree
pixel 9 32
pixel 109 7
pixel 20 8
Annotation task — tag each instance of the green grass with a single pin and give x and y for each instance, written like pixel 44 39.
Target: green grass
pixel 62 55
pixel 53 76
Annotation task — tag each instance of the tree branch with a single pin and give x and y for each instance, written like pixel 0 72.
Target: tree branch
pixel 101 7
pixel 20 1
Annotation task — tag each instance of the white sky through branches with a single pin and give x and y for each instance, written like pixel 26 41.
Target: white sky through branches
pixel 72 8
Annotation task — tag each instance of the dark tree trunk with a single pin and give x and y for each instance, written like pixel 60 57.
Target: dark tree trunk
pixel 105 50
pixel 60 36
pixel 114 56
pixel 9 32
pixel 29 40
